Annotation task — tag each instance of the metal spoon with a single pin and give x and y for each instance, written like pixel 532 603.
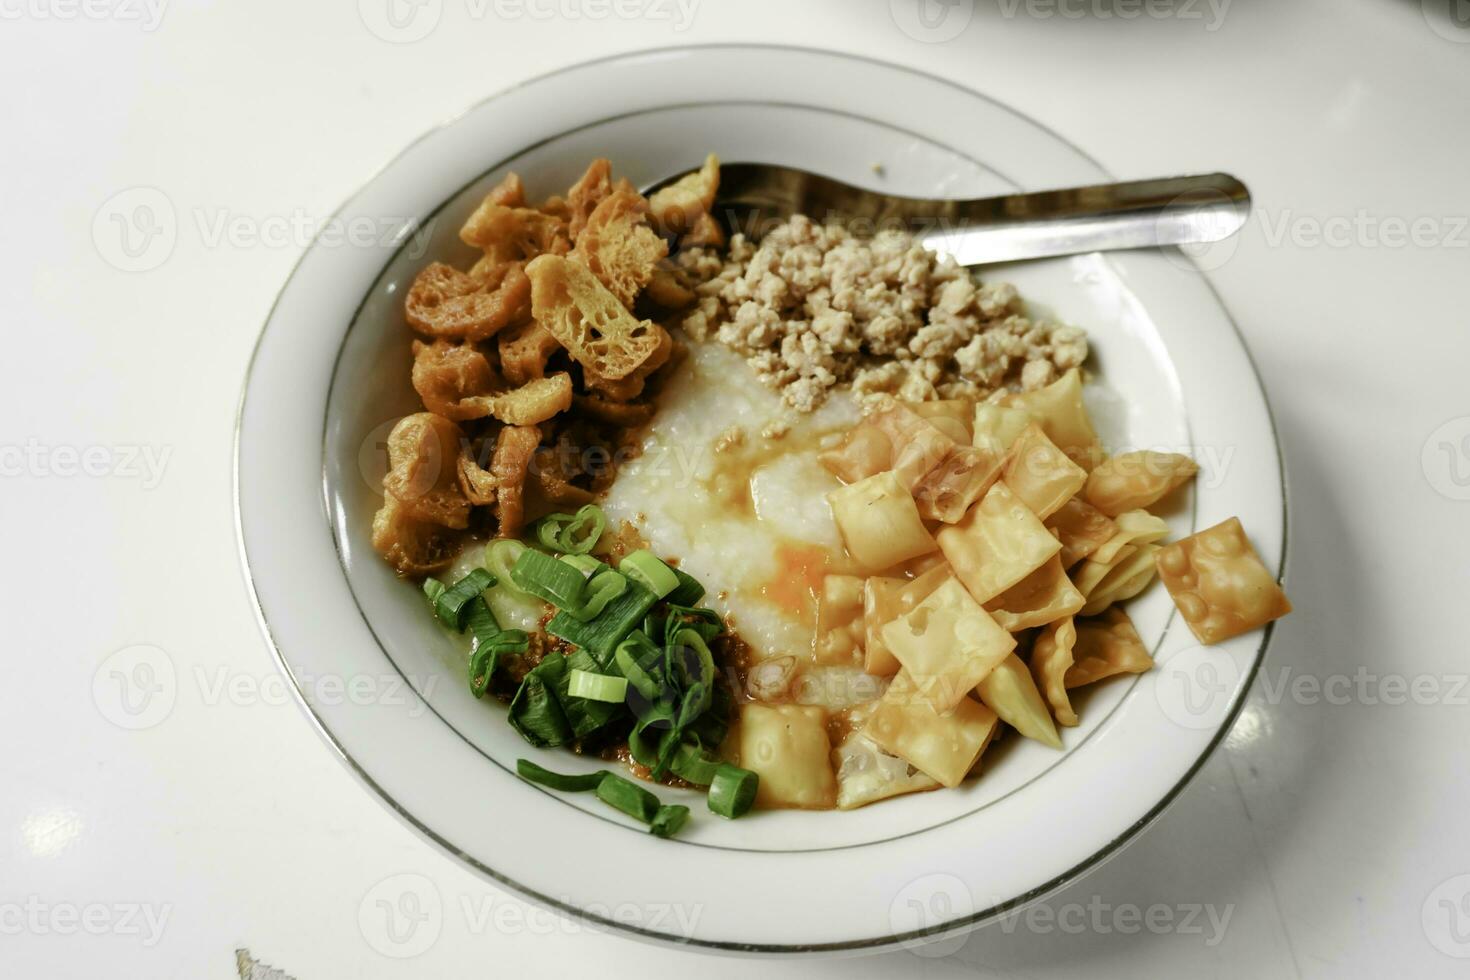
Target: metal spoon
pixel 1101 217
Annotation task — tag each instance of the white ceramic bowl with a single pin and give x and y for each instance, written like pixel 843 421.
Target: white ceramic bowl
pixel 330 375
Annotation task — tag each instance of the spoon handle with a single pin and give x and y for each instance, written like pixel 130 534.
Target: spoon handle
pixel 1130 214
pixel 1103 217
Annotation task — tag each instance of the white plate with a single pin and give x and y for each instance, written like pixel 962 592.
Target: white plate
pixel 330 375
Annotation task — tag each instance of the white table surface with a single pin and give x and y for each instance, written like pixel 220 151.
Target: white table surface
pixel 1331 829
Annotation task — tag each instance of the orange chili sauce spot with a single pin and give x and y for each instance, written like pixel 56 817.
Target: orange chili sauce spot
pixel 797 583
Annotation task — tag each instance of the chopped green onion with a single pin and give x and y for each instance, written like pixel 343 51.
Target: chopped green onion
pixel 597 687
pixel 584 716
pixel 636 657
pixel 481 622
pixel 627 796
pixel 641 747
pixel 602 588
pixel 696 700
pixel 574 534
pixel 453 604
pixel 655 724
pixel 500 558
pixel 604 632
pixel 706 622
pixel 732 791
pixel 433 588
pixel 490 643
pixel 694 765
pixel 714 724
pixel 668 745
pixel 692 665
pixel 585 564
pixel 580 783
pixel 689 592
pixel 535 711
pixel 557 582
pixel 644 567
pixel 669 820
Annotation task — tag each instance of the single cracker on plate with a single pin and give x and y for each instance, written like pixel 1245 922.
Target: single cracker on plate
pixel 1219 584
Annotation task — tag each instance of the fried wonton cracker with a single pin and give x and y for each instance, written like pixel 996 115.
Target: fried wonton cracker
pixel 946 492
pixel 587 319
pixel 955 417
pixel 1040 473
pixel 998 544
pixel 1134 527
pixel 943 746
pixel 867 774
pixel 1063 417
pixel 1044 596
pixel 1106 646
pixel 1051 657
pixel 1219 583
pixel 887 598
pixel 1081 528
pixel 1137 480
pixel 1124 580
pixel 840 632
pixel 947 644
